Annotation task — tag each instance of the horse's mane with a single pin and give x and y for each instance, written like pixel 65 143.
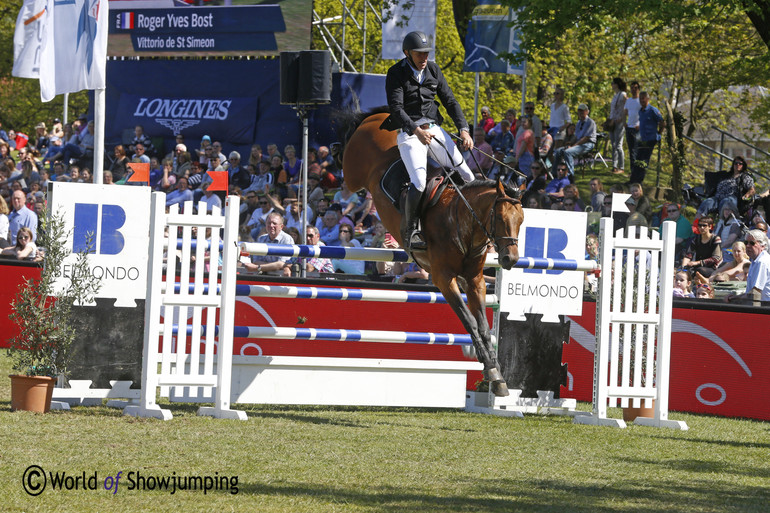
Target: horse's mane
pixel 348 120
pixel 487 184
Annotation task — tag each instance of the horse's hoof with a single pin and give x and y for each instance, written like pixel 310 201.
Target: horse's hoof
pixel 500 389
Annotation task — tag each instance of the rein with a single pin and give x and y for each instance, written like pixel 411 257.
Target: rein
pixel 512 241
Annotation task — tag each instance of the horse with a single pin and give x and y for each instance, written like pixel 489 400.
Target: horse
pixel 457 233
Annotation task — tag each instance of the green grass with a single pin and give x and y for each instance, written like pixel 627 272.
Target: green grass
pixel 296 459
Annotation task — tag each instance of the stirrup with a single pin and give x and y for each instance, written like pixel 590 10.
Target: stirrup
pixel 415 241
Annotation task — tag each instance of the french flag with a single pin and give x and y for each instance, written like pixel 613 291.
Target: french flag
pixel 126 20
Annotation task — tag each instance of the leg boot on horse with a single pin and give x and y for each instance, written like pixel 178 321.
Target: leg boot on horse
pixel 410 234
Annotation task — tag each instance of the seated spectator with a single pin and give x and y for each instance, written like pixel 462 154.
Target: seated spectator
pixel 704 291
pixel 141 138
pixel 272 151
pixel 42 140
pixel 4 211
pixel 536 200
pixel 330 229
pixel 704 254
pixel 546 146
pixel 263 179
pixel 486 122
pixel 204 151
pixel 292 165
pixel 25 248
pixel 329 172
pixel 736 184
pixel 597 194
pixel 728 228
pixel 683 227
pixel 572 192
pixel 181 194
pixel 323 206
pixel 238 174
pixel 107 177
pixel 683 283
pixel 314 186
pixel 55 147
pixel 118 167
pixel 347 200
pixel 567 139
pixel 347 241
pixel 410 273
pixel 258 220
pixel 504 140
pixel 209 198
pixel 733 270
pixel 82 146
pixel 255 155
pixel 536 183
pixel 292 212
pixel 555 188
pixel 758 277
pixel 365 213
pixel 586 140
pixel 317 265
pixel 20 217
pixel 140 155
pixel 272 265
pixel 510 116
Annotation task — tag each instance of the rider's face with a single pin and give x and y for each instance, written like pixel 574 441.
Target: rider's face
pixel 419 59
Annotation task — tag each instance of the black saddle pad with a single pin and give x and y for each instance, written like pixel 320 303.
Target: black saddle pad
pixel 396 178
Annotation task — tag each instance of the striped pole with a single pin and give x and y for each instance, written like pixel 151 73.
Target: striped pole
pixel 398 255
pixel 388 337
pixel 340 294
pixel 398 337
pixel 385 296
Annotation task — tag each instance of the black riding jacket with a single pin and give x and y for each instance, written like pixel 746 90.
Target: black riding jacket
pixel 409 101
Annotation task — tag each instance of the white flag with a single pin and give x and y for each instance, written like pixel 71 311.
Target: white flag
pixel 28 38
pixel 74 50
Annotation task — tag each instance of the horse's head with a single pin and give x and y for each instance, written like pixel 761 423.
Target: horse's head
pixel 507 216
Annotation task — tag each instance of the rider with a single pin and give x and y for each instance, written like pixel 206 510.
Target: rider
pixel 411 86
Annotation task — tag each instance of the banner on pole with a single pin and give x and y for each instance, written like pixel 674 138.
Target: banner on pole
pixel 64 44
pixel 490 35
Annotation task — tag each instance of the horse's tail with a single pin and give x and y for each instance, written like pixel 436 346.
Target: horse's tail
pixel 348 120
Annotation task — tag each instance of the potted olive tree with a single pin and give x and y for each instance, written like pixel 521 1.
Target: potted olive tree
pixel 42 310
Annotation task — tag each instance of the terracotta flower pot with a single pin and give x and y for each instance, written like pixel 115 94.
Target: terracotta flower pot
pixel 31 393
pixel 630 413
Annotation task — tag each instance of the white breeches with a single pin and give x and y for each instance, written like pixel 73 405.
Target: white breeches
pixel 415 155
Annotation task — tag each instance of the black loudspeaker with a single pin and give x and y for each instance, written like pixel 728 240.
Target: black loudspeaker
pixel 289 77
pixel 315 77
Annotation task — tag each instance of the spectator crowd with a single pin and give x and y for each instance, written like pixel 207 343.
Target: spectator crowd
pixel 726 242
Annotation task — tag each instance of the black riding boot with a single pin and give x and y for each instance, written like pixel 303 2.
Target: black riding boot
pixel 409 233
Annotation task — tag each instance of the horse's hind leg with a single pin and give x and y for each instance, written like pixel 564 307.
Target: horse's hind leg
pixel 476 292
pixel 448 286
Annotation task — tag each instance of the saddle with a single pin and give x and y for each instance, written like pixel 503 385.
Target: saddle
pixel 395 182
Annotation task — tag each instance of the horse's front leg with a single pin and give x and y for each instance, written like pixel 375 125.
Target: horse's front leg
pixel 476 293
pixel 448 286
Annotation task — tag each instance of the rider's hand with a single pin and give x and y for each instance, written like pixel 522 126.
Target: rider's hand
pixel 467 140
pixel 423 135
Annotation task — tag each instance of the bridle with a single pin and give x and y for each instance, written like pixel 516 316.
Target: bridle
pixel 509 241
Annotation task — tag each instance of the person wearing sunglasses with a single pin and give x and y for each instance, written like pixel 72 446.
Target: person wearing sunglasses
pixel 705 251
pixel 758 279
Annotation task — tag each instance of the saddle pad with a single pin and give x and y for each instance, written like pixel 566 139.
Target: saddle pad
pixel 396 178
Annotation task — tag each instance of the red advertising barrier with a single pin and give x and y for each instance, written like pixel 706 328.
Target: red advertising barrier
pixel 720 354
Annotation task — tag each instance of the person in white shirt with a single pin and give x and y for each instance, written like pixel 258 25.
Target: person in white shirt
pixel 560 117
pixel 632 107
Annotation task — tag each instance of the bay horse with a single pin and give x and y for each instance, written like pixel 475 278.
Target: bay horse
pixel 457 238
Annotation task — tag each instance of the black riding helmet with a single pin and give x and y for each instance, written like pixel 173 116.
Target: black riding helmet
pixel 416 41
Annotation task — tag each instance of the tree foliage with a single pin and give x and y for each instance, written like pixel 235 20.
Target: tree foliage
pixel 20 97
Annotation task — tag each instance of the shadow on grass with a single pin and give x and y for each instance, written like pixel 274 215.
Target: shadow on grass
pixel 703 466
pixel 548 495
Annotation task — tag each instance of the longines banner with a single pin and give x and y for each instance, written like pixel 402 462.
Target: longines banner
pixel 230 118
pixel 175 28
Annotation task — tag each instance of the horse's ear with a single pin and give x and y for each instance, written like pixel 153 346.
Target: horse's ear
pixel 500 187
